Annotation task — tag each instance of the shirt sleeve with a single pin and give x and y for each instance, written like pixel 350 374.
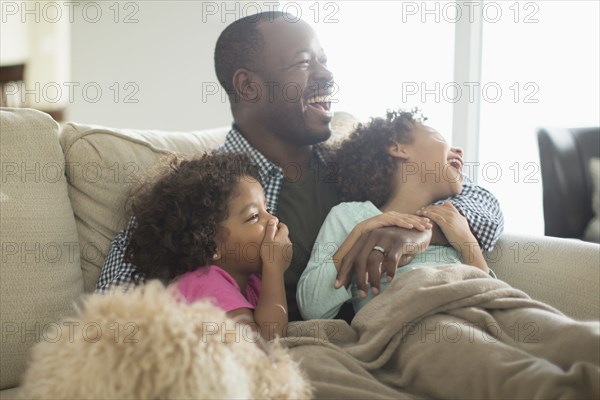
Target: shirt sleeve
pixel 316 295
pixel 212 283
pixel 116 271
pixel 482 211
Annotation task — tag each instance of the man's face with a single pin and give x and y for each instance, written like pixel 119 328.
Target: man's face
pixel 295 83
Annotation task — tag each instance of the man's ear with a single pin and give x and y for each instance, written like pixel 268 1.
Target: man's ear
pixel 399 150
pixel 246 86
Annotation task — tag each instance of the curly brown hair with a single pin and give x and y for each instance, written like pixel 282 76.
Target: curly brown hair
pixel 364 168
pixel 178 208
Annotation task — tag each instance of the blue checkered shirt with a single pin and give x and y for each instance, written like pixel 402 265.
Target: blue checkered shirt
pixel 479 206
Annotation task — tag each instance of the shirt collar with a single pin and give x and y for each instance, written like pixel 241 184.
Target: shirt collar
pixel 320 153
pixel 236 142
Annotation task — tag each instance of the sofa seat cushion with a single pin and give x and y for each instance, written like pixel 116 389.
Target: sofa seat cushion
pixel 102 165
pixel 40 274
pixel 563 273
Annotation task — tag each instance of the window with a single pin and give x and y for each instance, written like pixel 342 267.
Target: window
pixel 383 56
pixel 539 67
pixel 540 62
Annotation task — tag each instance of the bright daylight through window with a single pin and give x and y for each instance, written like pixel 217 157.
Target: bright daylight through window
pixel 539 63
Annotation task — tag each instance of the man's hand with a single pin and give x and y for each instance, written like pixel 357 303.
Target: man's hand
pixel 400 245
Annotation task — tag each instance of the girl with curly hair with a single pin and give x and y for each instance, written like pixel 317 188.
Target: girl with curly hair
pixel 388 170
pixel 203 226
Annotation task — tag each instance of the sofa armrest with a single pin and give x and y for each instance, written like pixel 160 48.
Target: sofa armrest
pixel 564 273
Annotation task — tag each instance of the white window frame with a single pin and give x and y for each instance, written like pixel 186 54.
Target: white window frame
pixel 467 69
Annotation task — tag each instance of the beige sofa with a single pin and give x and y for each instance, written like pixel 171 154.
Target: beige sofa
pixel 62 199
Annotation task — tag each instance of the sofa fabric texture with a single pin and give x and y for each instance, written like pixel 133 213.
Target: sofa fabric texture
pixel 103 164
pixel 40 275
pixel 65 194
pixel 549 270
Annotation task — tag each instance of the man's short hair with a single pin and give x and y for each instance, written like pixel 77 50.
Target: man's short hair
pixel 239 46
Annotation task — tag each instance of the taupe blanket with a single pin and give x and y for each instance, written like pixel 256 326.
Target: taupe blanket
pixel 451 332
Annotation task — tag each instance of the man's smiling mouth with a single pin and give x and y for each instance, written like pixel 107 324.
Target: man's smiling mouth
pixel 323 102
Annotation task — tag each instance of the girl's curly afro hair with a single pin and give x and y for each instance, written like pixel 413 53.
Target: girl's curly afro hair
pixel 365 170
pixel 178 208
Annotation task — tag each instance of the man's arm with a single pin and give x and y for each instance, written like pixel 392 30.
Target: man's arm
pixel 116 271
pixel 478 205
pixel 399 246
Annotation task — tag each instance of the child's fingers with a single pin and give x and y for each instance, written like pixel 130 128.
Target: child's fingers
pixel 436 215
pixel 411 222
pixel 447 210
pixel 271 230
pixel 392 218
pixel 399 220
pixel 419 225
pixel 448 204
pixel 420 220
pixel 406 225
pixel 282 231
pixel 439 209
pixel 445 205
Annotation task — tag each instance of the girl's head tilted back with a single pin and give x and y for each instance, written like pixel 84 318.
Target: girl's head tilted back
pixel 397 153
pixel 178 213
pixel 365 170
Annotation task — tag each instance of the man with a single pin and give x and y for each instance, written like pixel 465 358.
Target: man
pixel 275 73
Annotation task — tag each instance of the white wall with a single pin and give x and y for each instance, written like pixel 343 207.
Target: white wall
pixel 13 40
pixel 151 72
pixel 35 34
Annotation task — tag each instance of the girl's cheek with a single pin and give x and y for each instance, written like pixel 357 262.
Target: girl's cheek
pixel 261 228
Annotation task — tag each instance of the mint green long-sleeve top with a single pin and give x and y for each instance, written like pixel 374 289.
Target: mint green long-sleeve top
pixel 316 295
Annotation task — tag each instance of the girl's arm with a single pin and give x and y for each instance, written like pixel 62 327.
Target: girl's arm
pixel 316 295
pixel 482 211
pixel 456 229
pixel 271 313
pixel 270 317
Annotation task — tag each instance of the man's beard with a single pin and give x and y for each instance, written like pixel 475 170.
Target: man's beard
pixel 290 124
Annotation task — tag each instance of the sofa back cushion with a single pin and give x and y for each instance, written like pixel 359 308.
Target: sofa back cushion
pixel 40 274
pixel 102 166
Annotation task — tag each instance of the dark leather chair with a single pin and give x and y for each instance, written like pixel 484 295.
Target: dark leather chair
pixel 566 179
